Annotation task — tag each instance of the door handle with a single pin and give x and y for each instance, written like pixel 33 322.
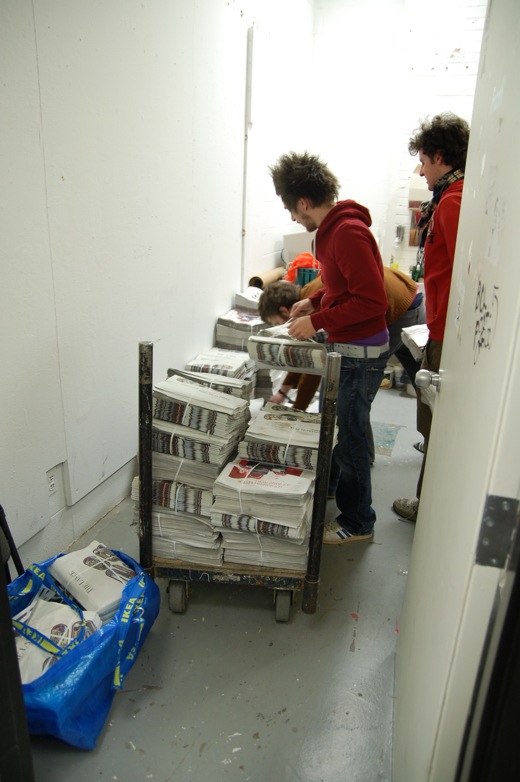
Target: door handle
pixel 425 378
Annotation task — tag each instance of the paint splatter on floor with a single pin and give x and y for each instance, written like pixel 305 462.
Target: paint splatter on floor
pixel 384 437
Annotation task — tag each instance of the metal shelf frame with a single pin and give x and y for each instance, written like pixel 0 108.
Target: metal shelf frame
pixel 181 574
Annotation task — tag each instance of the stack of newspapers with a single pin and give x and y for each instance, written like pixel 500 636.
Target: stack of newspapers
pixel 179 400
pixel 227 385
pixel 275 348
pixel 248 299
pixel 264 513
pixel 194 422
pixel 233 331
pixel 235 327
pixel 231 363
pixel 94 576
pixel 195 431
pixel 178 535
pixel 281 435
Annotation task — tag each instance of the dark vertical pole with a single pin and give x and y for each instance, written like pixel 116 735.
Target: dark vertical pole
pixel 16 763
pixel 327 429
pixel 145 454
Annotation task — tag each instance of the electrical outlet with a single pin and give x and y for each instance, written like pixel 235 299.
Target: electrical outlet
pixel 51 479
pixel 56 489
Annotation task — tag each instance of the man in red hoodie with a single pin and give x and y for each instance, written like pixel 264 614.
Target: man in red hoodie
pixel 442 146
pixel 351 308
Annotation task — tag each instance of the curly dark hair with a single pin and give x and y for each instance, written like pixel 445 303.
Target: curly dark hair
pixel 445 134
pixel 298 176
pixel 278 294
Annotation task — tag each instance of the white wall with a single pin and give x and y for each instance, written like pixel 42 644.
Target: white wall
pixel 376 67
pixel 122 212
pixel 126 212
pixel 281 120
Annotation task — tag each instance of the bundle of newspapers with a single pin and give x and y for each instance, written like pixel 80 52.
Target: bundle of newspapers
pixel 94 576
pixel 56 621
pixel 281 435
pixel 275 348
pixel 180 441
pixel 234 386
pixel 248 299
pixel 258 550
pixel 264 513
pixel 187 537
pixel 232 331
pixel 235 327
pixel 181 401
pixel 232 363
pixel 195 431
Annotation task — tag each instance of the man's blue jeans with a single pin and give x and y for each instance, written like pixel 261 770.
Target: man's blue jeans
pixel 359 381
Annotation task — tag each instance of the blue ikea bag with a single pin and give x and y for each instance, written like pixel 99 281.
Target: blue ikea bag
pixel 72 699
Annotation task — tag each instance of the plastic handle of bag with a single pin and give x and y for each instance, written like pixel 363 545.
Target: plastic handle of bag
pixel 40 639
pixel 43 642
pixel 130 615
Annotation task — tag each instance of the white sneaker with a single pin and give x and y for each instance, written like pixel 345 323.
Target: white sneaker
pixel 334 534
pixel 406 509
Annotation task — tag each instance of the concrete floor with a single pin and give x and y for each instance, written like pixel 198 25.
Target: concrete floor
pixel 224 692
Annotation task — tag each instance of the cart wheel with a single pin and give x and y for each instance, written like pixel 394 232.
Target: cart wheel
pixel 178 596
pixel 283 601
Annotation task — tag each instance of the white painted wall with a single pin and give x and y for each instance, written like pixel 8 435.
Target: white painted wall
pixel 125 212
pixel 121 222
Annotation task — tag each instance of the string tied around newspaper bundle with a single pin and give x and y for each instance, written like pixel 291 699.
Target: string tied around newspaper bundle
pixel 281 355
pixel 189 404
pixel 178 470
pixel 291 435
pixel 259 538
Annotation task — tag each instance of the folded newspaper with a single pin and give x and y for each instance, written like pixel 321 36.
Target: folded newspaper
pixel 249 524
pixel 184 536
pixel 235 386
pixel 190 404
pixel 180 441
pixel 247 549
pixel 172 468
pixel 275 348
pixel 177 496
pixel 235 327
pixel 281 435
pixel 415 339
pixel 58 623
pixel 248 299
pixel 94 576
pixel 264 491
pixel 232 363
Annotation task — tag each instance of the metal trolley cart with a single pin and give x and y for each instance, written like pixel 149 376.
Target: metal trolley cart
pixel 284 582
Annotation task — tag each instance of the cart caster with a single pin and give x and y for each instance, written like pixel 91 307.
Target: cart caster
pixel 282 605
pixel 177 596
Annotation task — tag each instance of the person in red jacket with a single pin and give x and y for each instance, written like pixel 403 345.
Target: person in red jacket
pixel 442 146
pixel 351 308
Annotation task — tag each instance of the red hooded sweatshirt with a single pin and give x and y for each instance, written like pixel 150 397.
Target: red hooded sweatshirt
pixel 353 301
pixel 439 252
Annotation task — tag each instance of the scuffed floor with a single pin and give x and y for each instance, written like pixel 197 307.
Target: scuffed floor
pixel 225 693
